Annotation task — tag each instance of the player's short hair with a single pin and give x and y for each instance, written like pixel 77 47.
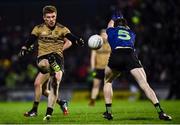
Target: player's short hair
pixel 120 22
pixel 49 9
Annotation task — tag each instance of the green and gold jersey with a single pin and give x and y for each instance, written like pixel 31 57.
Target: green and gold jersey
pixel 50 40
pixel 102 55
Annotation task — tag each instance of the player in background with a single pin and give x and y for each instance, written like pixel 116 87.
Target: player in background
pixel 50 37
pixel 123 57
pixel 99 60
pixel 41 87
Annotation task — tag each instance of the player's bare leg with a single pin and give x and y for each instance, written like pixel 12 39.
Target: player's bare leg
pixel 53 95
pixel 140 76
pixel 56 76
pixel 38 85
pixel 42 87
pixel 40 79
pixel 108 91
pixel 95 91
pixel 62 103
pixel 141 80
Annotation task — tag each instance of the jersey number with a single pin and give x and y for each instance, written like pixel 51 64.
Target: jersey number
pixel 124 35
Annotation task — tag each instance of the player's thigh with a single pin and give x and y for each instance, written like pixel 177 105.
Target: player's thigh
pixel 44 64
pixel 139 74
pixel 110 74
pixel 96 82
pixel 142 69
pixel 41 78
pixel 140 77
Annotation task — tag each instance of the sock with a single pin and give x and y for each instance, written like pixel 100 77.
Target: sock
pixel 158 107
pixel 35 106
pixel 49 111
pixel 108 108
pixel 63 104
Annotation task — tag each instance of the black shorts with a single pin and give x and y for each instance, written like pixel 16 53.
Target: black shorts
pixel 124 60
pixel 99 74
pixel 58 59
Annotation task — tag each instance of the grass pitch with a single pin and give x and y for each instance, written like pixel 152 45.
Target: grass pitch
pixel 125 112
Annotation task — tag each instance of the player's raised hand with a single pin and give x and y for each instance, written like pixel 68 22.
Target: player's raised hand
pixel 117 15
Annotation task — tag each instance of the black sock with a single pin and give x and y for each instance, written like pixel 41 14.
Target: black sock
pixel 158 107
pixel 61 102
pixel 49 111
pixel 35 106
pixel 108 108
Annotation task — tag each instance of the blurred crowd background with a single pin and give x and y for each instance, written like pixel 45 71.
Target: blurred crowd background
pixel 156 23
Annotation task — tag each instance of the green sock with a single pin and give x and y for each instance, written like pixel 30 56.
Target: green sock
pixel 108 108
pixel 158 107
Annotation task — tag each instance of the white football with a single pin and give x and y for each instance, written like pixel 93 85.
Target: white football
pixel 95 41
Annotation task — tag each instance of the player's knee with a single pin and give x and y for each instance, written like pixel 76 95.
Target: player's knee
pixel 96 86
pixel 43 67
pixel 37 84
pixel 43 63
pixel 58 76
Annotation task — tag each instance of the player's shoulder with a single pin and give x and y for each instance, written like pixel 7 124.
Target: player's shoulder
pixel 39 25
pixel 60 25
pixel 62 28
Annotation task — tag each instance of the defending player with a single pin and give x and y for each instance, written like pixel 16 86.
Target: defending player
pixel 41 87
pixel 123 57
pixel 99 60
pixel 50 37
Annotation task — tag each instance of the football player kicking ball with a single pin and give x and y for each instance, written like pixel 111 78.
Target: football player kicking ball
pixel 123 57
pixel 41 87
pixel 50 37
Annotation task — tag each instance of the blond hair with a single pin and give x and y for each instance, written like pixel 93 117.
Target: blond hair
pixel 49 9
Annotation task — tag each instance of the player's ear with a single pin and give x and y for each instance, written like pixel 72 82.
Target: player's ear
pixel 44 17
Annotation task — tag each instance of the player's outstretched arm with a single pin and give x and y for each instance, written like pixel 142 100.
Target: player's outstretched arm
pixel 78 40
pixel 67 44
